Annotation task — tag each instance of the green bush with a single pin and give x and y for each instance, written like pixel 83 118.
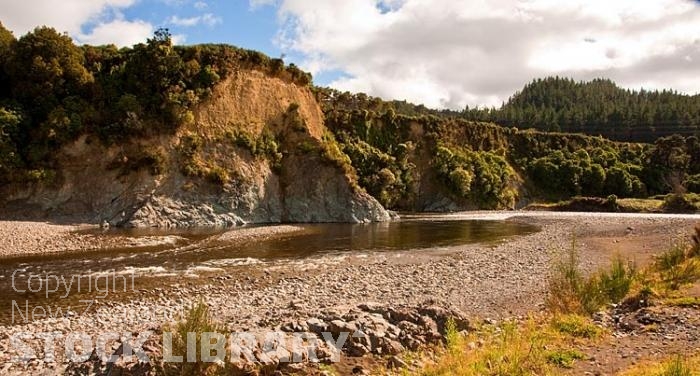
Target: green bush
pixel 485 178
pixel 565 358
pixel 692 183
pixel 678 203
pixel 576 326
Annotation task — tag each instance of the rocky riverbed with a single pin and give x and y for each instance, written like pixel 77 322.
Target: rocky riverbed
pixel 493 281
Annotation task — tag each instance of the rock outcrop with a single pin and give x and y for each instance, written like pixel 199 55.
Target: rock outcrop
pixel 368 329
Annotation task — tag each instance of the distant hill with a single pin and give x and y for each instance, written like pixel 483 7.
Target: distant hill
pixel 597 107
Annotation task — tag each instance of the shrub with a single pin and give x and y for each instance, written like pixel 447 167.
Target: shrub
pixel 218 175
pixel 482 177
pixel 695 248
pixel 682 274
pixel 671 258
pixel 692 183
pixel 570 291
pixel 197 320
pixel 677 266
pixel 615 283
pixel 678 203
pixel 461 181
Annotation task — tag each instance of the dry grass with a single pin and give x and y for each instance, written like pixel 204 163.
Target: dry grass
pixel 675 366
pixel 640 205
pixel 534 347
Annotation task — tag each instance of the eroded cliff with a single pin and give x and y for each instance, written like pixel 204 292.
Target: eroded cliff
pixel 255 151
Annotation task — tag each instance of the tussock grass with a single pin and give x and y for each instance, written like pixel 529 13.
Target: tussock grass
pixel 196 320
pixel 678 266
pixel 675 366
pixel 570 291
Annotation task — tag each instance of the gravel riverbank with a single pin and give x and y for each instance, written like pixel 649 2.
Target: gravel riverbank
pixel 485 281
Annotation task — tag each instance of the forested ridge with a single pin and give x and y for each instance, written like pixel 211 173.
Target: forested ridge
pixel 52 91
pixel 408 157
pixel 597 107
pixel 491 166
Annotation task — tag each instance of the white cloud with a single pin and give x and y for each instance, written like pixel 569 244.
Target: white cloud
pixel 69 15
pixel 450 53
pixel 204 19
pixel 119 32
pixel 200 5
pixel 72 16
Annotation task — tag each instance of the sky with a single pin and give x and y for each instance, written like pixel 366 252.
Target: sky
pixel 442 53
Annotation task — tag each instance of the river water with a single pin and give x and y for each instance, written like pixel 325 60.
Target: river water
pixel 162 258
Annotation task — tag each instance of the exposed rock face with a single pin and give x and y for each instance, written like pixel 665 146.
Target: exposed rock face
pixel 232 184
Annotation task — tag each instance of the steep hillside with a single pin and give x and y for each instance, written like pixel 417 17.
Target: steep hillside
pixel 438 163
pixel 247 145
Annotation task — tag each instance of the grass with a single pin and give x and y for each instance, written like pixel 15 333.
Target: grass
pixel 565 358
pixel 196 320
pixel 675 366
pixel 570 291
pixel 576 326
pixel 678 266
pixel 685 302
pixel 509 351
pixel 533 347
pixel 640 205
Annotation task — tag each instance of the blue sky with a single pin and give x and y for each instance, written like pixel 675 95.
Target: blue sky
pixel 443 53
pixel 237 22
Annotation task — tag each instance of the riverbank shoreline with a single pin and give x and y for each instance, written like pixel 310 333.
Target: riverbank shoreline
pixel 29 238
pixel 495 281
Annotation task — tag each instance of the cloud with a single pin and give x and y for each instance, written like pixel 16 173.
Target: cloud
pixel 204 19
pixel 200 5
pixel 23 16
pixel 119 32
pixel 450 53
pixel 94 21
